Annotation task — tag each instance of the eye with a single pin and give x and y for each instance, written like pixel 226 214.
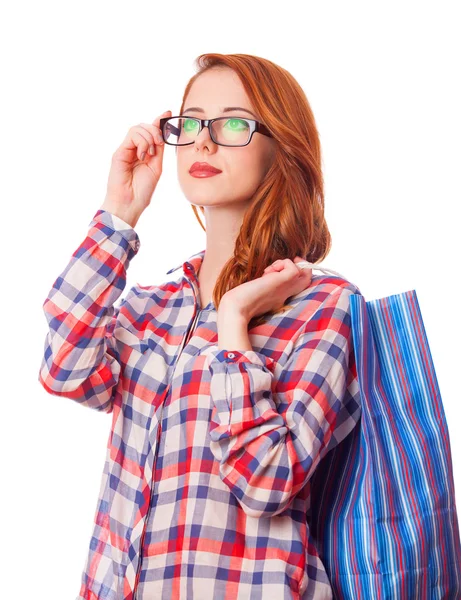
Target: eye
pixel 236 124
pixel 190 125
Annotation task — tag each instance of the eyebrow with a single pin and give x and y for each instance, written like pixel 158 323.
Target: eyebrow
pixel 225 109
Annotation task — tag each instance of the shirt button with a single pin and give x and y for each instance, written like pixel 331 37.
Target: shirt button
pixel 231 355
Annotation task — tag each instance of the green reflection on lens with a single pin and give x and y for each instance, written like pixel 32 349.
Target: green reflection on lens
pixel 235 131
pixel 236 125
pixel 190 126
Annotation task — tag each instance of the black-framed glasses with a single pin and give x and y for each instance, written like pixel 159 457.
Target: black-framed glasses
pixel 224 131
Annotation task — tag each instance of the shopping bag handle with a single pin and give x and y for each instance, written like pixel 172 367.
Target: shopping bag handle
pixel 307 265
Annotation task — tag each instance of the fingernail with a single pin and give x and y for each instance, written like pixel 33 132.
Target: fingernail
pixel 143 155
pixel 151 149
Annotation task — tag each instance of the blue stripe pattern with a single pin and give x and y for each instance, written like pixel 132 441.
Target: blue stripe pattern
pixel 383 510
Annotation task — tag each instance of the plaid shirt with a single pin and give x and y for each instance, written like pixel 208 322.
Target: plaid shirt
pixel 205 492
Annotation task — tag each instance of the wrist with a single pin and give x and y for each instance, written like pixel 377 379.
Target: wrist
pixel 115 210
pixel 232 328
pixel 229 312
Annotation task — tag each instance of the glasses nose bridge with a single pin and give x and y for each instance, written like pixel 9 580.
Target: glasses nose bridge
pixel 206 123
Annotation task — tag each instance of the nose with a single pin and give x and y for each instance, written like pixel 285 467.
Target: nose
pixel 204 139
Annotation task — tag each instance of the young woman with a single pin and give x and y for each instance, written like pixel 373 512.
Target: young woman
pixel 228 384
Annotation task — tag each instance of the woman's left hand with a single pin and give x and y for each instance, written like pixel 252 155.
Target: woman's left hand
pixel 279 281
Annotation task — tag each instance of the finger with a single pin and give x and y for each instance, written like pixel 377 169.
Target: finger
pixel 145 132
pixel 305 269
pixel 141 143
pixel 298 260
pixel 132 138
pixel 302 264
pixel 278 265
pixel 156 121
pixel 154 133
pixel 289 266
pixel 269 269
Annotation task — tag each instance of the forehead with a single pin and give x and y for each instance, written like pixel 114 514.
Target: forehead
pixel 215 89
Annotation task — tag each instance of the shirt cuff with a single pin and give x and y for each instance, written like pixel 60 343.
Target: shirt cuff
pixel 217 358
pixel 114 223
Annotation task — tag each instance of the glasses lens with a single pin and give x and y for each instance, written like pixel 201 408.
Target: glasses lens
pixel 180 131
pixel 227 131
pixel 231 131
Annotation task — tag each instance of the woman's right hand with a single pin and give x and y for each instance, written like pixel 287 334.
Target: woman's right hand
pixel 133 176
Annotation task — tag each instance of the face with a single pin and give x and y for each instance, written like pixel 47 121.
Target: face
pixel 242 168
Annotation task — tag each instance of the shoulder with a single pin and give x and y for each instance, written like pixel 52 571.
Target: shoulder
pixel 324 290
pixel 320 316
pixel 333 283
pixel 323 306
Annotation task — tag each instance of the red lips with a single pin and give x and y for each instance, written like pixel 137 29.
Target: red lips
pixel 203 167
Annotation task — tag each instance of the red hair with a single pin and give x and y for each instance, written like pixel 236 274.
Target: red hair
pixel 286 217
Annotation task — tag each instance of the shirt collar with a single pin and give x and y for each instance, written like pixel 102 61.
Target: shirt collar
pixel 193 262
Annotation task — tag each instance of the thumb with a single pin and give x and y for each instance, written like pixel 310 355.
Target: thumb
pixel 302 263
pixel 305 271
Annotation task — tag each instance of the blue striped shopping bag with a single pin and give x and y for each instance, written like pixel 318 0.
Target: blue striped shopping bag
pixel 383 509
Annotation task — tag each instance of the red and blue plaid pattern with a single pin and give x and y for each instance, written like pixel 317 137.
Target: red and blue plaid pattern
pixel 206 485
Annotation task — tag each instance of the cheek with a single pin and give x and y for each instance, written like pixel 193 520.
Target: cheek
pixel 248 164
pixel 245 172
pixel 182 163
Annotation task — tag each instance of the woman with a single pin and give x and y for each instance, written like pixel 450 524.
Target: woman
pixel 224 397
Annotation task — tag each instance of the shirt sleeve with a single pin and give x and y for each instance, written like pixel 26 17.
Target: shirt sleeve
pixel 80 357
pixel 269 444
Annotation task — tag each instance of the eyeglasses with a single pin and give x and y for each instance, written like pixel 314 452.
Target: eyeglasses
pixel 224 131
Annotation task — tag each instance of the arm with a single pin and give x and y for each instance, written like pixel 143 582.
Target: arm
pixel 268 444
pixel 80 358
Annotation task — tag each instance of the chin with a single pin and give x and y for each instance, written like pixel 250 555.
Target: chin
pixel 199 197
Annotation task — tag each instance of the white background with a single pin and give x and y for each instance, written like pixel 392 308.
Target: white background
pixel 383 82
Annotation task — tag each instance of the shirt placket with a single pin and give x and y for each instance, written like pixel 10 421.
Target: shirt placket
pixel 185 341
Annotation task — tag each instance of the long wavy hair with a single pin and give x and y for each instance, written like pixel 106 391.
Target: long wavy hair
pixel 286 216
